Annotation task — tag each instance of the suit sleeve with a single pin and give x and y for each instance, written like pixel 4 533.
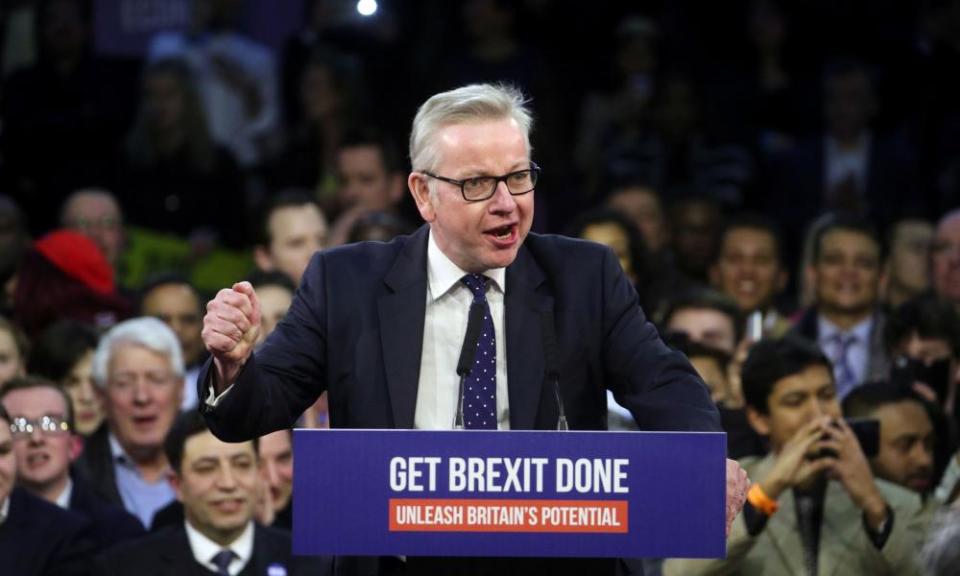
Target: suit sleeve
pixel 282 378
pixel 658 385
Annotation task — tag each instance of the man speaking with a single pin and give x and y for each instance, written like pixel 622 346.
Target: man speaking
pixel 380 326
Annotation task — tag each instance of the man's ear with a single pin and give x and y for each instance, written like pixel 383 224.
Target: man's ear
pixel 417 183
pixel 175 482
pixel 759 422
pixel 76 447
pixel 261 257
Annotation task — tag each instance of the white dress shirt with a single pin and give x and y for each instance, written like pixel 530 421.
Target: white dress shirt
pixel 204 549
pixel 444 327
pixel 4 510
pixel 63 500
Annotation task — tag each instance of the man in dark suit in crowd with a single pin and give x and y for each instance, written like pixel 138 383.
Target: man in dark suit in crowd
pixel 36 538
pixel 45 448
pixel 380 325
pixel 217 484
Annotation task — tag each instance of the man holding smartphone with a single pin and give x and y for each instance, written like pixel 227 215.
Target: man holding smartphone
pixel 816 507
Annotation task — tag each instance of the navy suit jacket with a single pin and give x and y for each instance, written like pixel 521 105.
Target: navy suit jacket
pixel 168 553
pixel 355 329
pixel 41 539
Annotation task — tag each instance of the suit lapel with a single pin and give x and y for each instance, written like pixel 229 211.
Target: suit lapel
pixel 524 309
pixel 782 528
pixel 838 535
pixel 401 312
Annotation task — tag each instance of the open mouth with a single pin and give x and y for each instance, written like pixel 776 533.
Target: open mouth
pixel 230 505
pixel 503 234
pixel 144 421
pixel 37 459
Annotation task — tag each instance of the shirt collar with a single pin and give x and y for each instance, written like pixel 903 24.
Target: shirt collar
pixel 63 500
pixel 828 330
pixel 117 451
pixel 443 274
pixel 4 510
pixel 204 549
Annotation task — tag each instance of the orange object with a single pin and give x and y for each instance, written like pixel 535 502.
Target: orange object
pixel 759 499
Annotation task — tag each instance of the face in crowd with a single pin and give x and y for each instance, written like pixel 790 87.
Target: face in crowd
pixel 295 233
pixel 794 402
pixel 178 306
pixel 43 456
pixel 847 273
pixel 217 484
pixel 906 445
pixel 748 268
pixel 276 466
pixel 143 395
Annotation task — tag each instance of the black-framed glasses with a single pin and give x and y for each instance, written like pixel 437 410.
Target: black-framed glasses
pixel 481 188
pixel 24 427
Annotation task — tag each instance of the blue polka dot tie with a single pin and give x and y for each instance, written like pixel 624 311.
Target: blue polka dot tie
pixel 480 386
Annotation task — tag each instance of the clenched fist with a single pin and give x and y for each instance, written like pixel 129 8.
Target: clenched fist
pixel 230 330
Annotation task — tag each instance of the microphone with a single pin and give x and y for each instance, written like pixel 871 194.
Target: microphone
pixel 552 365
pixel 467 354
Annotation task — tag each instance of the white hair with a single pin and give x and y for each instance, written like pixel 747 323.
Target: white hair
pixel 146 332
pixel 467 104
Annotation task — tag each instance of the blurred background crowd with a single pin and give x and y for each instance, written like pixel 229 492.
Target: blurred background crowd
pixel 763 170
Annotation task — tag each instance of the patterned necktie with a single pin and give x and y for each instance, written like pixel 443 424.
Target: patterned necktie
pixel 480 386
pixel 842 366
pixel 222 560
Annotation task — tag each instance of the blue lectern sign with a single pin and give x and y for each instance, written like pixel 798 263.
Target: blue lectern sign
pixel 438 493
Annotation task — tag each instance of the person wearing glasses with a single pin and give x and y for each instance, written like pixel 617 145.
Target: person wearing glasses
pixel 36 537
pixel 380 325
pixel 138 369
pixel 45 444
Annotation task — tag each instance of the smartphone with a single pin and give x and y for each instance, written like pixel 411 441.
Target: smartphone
pixel 867 431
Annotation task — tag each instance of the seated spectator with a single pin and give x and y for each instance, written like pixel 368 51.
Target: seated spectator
pixel 923 338
pixel 45 446
pixel 370 178
pixel 846 320
pixel 276 471
pixel 275 292
pixel 694 230
pixel 175 301
pixel 945 260
pixel 172 177
pixel 138 368
pixel 908 262
pixel 96 213
pixel 65 276
pixel 706 317
pixel 749 269
pixel 906 434
pixel 64 353
pixel 36 537
pixel 214 538
pixel 616 231
pixel 13 351
pixel 815 506
pixel 293 227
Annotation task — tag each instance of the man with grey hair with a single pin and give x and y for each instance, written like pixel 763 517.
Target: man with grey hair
pixel 380 325
pixel 138 370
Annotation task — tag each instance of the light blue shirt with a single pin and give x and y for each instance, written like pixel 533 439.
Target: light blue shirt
pixel 858 353
pixel 140 497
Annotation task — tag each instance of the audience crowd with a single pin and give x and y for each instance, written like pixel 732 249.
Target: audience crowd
pixel 780 181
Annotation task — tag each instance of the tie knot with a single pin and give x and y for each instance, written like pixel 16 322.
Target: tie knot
pixel 222 560
pixel 477 283
pixel 844 341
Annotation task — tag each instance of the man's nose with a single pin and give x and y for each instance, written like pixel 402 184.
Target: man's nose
pixel 502 200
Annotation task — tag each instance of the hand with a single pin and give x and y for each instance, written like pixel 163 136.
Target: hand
pixel 737 484
pixel 851 468
pixel 230 330
pixel 798 462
